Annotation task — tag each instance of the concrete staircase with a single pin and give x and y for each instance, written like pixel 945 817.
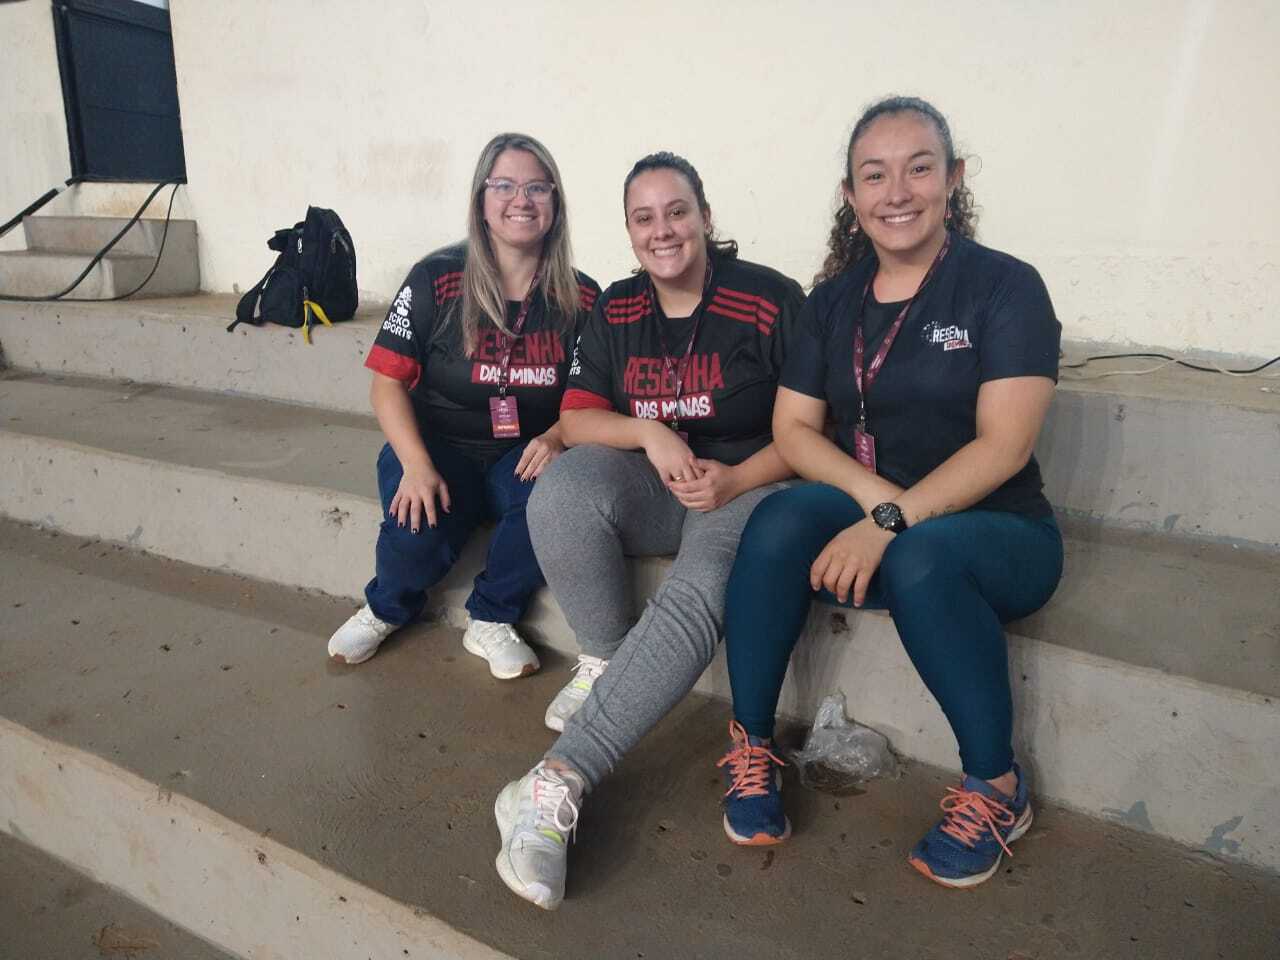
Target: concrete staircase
pixel 1147 692
pixel 58 248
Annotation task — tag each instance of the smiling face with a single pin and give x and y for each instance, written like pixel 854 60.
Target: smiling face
pixel 518 223
pixel 668 230
pixel 900 186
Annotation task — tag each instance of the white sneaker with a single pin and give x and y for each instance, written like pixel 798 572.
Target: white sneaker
pixel 357 640
pixel 537 816
pixel 574 693
pixel 509 656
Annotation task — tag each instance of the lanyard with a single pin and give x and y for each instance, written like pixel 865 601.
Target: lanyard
pixel 859 342
pixel 509 343
pixel 672 368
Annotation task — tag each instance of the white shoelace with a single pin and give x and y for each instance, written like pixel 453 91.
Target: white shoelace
pixel 370 619
pixel 588 671
pixel 552 793
pixel 498 635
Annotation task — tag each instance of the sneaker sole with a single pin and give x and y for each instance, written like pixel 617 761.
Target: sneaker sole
pixel 965 883
pixel 504 811
pixel 525 670
pixel 349 661
pixel 757 840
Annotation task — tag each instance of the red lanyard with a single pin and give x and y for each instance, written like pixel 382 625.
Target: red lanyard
pixel 509 343
pixel 859 343
pixel 674 369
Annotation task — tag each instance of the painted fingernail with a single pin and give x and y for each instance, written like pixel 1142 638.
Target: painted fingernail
pixel 414 529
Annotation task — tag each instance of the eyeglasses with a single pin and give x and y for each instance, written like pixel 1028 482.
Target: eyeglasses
pixel 535 191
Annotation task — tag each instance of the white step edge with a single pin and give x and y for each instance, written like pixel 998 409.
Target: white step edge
pixel 241 891
pixel 1096 735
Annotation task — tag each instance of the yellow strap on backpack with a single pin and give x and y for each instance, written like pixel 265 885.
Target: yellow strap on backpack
pixel 309 307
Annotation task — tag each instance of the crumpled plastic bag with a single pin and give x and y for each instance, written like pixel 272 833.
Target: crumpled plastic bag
pixel 839 754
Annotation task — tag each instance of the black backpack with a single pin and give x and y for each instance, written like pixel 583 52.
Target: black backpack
pixel 314 276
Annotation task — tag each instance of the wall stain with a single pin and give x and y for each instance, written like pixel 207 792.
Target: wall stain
pixel 1218 842
pixel 1135 817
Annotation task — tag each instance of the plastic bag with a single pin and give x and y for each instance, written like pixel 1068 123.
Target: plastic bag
pixel 840 754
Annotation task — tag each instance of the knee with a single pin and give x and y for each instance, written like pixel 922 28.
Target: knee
pixel 426 544
pixel 914 561
pixel 579 480
pixel 776 533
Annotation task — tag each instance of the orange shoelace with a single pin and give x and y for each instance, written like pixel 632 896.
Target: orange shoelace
pixel 748 763
pixel 969 814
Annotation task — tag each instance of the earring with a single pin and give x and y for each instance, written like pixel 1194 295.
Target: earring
pixel 947 217
pixel 853 227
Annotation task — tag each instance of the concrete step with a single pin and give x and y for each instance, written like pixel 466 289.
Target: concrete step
pixel 49 911
pixel 88 235
pixel 180 731
pixel 38 273
pixel 1147 689
pixel 1177 450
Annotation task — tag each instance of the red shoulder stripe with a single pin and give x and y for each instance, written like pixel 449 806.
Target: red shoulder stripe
pixel 394 365
pixel 749 299
pixel 448 292
pixel 448 278
pixel 575 399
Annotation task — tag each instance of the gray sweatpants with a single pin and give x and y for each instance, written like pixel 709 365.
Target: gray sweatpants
pixel 592 507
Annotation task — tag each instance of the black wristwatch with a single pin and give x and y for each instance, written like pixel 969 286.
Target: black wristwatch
pixel 888 516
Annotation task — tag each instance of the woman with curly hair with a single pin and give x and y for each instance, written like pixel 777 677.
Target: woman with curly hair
pixel 937 359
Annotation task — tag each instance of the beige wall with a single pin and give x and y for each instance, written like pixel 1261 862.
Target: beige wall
pixel 1127 150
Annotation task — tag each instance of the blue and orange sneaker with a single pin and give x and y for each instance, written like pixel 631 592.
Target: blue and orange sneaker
pixel 753 814
pixel 980 822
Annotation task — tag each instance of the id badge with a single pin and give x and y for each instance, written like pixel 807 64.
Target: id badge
pixel 864 448
pixel 504 417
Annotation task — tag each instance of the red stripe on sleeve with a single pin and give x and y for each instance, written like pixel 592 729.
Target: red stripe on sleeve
pixel 394 365
pixel 749 298
pixel 575 399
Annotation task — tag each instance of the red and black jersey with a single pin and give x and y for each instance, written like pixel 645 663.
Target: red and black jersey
pixel 420 344
pixel 743 327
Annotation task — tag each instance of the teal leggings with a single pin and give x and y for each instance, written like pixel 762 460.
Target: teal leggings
pixel 949 583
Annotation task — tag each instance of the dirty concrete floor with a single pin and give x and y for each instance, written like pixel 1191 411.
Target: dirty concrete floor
pixel 218 687
pixel 48 911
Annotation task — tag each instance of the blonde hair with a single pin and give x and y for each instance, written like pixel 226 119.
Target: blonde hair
pixel 483 301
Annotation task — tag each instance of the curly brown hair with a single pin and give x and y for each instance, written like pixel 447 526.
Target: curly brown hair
pixel 845 245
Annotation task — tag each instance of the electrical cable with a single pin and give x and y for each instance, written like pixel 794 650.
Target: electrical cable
pixel 1168 361
pixel 105 250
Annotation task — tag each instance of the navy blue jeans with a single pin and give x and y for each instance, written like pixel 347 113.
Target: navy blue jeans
pixel 408 563
pixel 949 583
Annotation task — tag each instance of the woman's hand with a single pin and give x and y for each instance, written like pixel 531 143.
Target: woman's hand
pixel 850 559
pixel 669 454
pixel 419 489
pixel 538 454
pixel 716 487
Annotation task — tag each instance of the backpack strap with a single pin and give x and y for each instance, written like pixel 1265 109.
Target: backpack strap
pixel 247 308
pixel 309 307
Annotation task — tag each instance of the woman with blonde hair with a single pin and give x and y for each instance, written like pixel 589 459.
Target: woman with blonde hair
pixel 468 371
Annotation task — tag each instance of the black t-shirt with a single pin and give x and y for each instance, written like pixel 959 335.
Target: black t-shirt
pixel 420 344
pixel 746 324
pixel 984 315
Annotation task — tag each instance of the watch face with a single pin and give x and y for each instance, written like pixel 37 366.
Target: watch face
pixel 888 516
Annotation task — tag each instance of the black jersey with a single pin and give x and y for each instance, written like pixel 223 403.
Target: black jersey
pixel 420 344
pixel 983 316
pixel 743 327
